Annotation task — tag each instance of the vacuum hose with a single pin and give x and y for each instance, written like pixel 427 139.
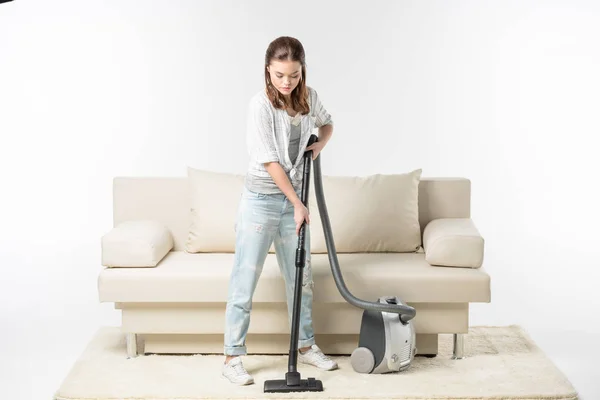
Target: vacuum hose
pixel 406 312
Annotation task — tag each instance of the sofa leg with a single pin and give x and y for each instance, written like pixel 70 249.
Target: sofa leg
pixel 131 345
pixel 459 346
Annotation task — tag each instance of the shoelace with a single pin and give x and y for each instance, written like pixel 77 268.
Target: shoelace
pixel 320 355
pixel 239 369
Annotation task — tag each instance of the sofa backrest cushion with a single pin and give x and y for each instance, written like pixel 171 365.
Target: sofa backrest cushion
pixel 169 200
pixel 214 200
pixel 376 213
pixel 367 214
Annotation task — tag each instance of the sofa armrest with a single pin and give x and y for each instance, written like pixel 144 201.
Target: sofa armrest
pixel 136 243
pixel 453 242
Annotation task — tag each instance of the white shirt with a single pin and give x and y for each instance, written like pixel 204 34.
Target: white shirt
pixel 268 134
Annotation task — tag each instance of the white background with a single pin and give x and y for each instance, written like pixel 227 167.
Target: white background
pixel 505 93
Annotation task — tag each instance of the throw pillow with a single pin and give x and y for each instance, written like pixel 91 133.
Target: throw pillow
pixel 377 213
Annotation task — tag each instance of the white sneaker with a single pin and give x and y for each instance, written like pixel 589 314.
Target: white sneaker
pixel 314 356
pixel 236 373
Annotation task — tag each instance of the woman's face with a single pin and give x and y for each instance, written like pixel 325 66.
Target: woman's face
pixel 285 75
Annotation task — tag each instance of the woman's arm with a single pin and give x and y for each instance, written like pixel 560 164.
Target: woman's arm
pixel 301 213
pixel 281 180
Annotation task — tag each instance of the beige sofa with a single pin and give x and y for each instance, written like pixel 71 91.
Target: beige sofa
pixel 167 261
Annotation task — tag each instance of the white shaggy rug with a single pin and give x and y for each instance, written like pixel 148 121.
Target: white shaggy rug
pixel 501 363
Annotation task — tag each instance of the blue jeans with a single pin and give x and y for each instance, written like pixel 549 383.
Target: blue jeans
pixel 261 220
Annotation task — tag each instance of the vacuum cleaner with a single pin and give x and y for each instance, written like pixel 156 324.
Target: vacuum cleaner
pixel 387 340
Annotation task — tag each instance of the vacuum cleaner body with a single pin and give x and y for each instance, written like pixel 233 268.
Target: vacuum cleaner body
pixel 386 343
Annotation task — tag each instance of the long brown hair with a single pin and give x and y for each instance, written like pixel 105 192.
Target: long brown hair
pixel 286 48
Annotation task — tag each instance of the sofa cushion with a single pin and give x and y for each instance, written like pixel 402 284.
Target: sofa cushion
pixel 136 243
pixel 377 213
pixel 214 199
pixel 453 242
pixel 185 277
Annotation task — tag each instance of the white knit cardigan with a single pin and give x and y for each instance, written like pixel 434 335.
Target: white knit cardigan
pixel 268 134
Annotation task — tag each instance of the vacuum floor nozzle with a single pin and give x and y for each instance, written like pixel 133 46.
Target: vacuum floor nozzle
pixel 293 383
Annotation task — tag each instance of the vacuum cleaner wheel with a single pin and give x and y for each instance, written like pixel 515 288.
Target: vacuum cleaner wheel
pixel 362 360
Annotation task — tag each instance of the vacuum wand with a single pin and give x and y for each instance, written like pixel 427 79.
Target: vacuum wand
pixel 300 260
pixel 293 381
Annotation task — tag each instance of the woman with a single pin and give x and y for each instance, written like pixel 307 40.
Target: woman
pixel 281 119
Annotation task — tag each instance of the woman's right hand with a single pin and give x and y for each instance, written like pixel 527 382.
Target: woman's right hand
pixel 301 214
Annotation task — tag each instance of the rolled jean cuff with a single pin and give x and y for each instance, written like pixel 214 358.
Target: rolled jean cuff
pixel 235 350
pixel 306 342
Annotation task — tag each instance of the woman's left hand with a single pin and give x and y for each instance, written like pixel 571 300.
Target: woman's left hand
pixel 316 148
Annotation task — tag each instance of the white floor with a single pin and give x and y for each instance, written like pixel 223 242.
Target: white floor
pixel 36 356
